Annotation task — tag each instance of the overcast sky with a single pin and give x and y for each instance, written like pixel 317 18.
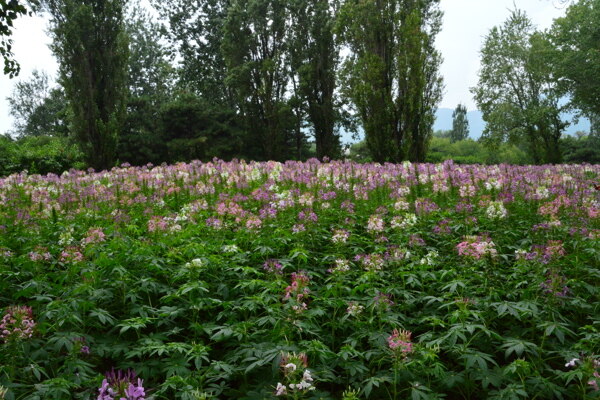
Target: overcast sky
pixel 466 22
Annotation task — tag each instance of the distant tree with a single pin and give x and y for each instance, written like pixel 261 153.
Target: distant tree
pixel 392 73
pixel 442 134
pixel 90 43
pixel 583 149
pixel 38 108
pixel 460 124
pixel 10 10
pixel 515 93
pixel 575 61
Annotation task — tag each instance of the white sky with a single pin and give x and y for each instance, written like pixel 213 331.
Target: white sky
pixel 466 22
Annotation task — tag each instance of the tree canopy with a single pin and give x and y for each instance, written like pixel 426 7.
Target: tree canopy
pixel 515 93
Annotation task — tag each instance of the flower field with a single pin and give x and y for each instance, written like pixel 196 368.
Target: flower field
pixel 234 280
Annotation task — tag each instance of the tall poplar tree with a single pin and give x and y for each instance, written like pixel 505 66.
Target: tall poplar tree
pixel 314 55
pixel 255 51
pixel 460 124
pixel 90 43
pixel 392 74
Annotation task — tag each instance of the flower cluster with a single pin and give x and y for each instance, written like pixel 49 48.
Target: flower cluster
pixel 555 284
pixel 298 291
pixel 400 342
pixel 17 323
pixel 341 265
pixel 425 206
pixel 121 385
pixel 195 263
pixel 496 210
pixel 80 346
pixel 552 250
pixel 71 255
pixel 476 247
pixel 163 224
pixel 403 222
pixel 94 235
pixel 443 227
pixel 297 378
pixel 370 262
pixel 375 224
pixel 40 254
pixel 273 267
pixel 340 236
pixel 430 258
pixel 354 309
pixel 383 301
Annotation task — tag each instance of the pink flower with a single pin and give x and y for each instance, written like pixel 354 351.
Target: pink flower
pixel 400 342
pixel 17 323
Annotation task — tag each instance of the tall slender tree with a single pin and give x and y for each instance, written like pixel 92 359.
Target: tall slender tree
pixel 90 43
pixel 314 55
pixel 460 124
pixel 392 74
pixel 255 51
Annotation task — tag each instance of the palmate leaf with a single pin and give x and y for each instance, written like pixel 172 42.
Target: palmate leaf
pixel 556 329
pixel 419 391
pixel 511 392
pixel 135 324
pixel 373 381
pixel 518 347
pixel 103 316
pixel 477 359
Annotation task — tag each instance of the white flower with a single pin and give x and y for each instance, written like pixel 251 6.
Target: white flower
pixel 493 183
pixel 290 367
pixel 303 385
pixel 542 192
pixel 230 248
pixel 307 376
pixel 196 262
pixel 571 363
pixel 401 204
pixel 496 210
pixel 280 389
pixel 407 221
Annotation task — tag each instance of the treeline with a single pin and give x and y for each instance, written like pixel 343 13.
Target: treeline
pixel 279 79
pixel 255 79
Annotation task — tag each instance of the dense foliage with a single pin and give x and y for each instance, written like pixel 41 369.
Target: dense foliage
pixel 38 155
pixel 301 280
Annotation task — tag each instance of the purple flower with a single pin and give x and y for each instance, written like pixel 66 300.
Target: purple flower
pixel 121 385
